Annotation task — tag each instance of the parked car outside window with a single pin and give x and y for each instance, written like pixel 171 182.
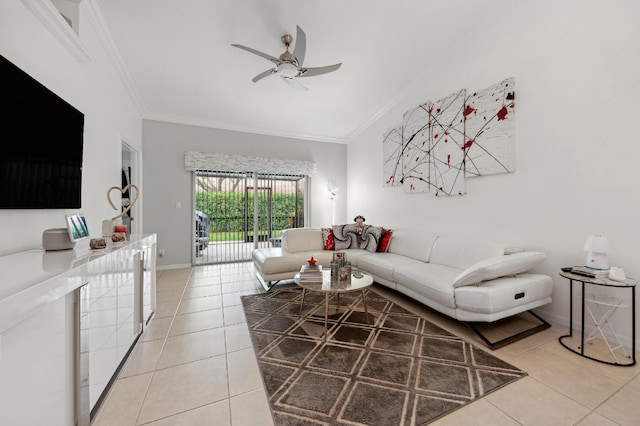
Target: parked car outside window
pixel 203 224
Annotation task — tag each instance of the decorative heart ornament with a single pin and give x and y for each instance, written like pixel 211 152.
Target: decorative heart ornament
pixel 122 191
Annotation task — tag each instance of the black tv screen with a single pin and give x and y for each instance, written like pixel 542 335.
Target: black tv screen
pixel 41 141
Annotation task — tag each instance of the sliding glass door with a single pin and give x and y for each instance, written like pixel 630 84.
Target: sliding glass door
pixel 236 212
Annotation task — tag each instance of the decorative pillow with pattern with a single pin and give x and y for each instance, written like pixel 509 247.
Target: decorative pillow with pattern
pixel 345 236
pixel 385 237
pixel 327 239
pixel 370 238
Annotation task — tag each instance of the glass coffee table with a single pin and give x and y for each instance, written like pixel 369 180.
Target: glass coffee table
pixel 330 288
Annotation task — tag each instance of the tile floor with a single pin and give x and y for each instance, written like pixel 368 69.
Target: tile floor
pixel 194 365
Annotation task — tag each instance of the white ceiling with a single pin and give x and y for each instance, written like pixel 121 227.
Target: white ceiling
pixel 179 58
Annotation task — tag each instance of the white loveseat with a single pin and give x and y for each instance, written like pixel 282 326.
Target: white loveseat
pixel 466 279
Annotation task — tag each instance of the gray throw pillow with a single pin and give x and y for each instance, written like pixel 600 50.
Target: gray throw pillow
pixel 370 238
pixel 345 236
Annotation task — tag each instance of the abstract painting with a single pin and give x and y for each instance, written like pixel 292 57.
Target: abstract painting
pixel 490 130
pixel 415 149
pixel 447 145
pixel 442 142
pixel 392 157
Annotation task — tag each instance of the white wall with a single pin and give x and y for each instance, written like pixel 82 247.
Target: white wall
pixel 94 89
pixel 577 72
pixel 166 181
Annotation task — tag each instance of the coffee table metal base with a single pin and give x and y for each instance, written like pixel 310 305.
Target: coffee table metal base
pixel 327 296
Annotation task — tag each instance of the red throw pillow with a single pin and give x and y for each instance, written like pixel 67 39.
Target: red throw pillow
pixel 327 239
pixel 385 237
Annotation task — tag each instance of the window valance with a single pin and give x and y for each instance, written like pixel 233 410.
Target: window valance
pixel 230 162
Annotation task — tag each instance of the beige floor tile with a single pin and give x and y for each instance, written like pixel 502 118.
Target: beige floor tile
pixel 197 321
pixel 235 287
pixel 244 375
pixel 199 304
pixel 169 295
pixel 158 328
pixel 587 386
pixel 479 412
pixel 530 402
pixel 233 299
pixel 192 347
pixel 176 284
pixel 124 401
pixel 143 358
pixel 237 337
pixel 620 374
pixel 203 281
pixel 595 419
pixel 623 407
pixel 514 349
pixel 166 309
pixel 178 389
pixel 259 414
pixel 234 315
pixel 171 274
pixel 203 291
pixel 217 414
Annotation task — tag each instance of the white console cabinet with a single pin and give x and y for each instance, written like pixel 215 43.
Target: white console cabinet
pixel 67 321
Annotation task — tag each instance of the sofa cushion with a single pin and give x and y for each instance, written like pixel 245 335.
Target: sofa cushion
pixel 345 236
pixel 274 260
pixel 382 264
pixel 323 258
pixel 462 252
pixel 499 266
pixel 504 293
pixel 412 243
pixel 430 280
pixel 302 239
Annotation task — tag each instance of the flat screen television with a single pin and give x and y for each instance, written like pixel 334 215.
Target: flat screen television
pixel 41 143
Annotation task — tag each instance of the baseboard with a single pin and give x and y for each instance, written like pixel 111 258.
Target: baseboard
pixel 179 266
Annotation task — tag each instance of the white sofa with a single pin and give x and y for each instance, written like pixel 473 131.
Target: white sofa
pixel 466 279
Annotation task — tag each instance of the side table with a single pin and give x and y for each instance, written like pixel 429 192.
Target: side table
pixel 610 304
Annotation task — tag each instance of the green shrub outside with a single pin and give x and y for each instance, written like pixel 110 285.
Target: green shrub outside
pixel 228 211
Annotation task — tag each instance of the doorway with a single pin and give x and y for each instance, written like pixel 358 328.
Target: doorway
pixel 236 212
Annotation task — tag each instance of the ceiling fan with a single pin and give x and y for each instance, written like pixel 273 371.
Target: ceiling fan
pixel 289 65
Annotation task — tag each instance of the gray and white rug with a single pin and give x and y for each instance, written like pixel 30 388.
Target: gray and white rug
pixel 400 370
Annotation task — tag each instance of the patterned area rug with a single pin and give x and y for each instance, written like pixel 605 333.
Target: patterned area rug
pixel 400 370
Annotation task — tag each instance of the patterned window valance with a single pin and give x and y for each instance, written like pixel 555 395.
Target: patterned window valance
pixel 231 163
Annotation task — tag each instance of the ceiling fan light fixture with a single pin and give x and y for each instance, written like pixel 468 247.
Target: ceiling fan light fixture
pixel 287 70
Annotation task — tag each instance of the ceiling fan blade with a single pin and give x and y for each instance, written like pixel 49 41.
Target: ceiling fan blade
pixel 259 53
pixel 310 72
pixel 301 46
pixel 264 74
pixel 293 82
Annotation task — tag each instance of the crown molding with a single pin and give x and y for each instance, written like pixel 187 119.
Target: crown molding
pixel 245 129
pixel 94 14
pixel 51 18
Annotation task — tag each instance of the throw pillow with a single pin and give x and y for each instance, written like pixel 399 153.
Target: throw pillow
pixel 345 236
pixel 385 237
pixel 327 239
pixel 370 238
pixel 499 266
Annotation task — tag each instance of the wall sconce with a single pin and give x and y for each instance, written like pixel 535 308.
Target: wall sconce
pixel 597 248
